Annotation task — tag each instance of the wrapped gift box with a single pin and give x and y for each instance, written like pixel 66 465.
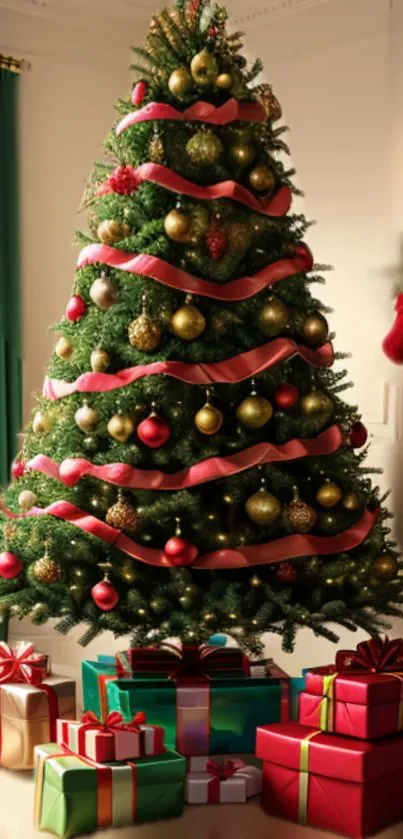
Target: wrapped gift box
pixel 351 787
pixel 230 782
pixel 112 739
pixel 74 795
pixel 201 716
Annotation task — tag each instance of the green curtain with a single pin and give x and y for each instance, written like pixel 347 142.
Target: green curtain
pixel 10 340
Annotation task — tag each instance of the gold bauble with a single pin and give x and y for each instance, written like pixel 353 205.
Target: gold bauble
pixel 384 568
pixel 121 427
pixel 208 419
pixel 46 570
pixel 204 148
pixel 111 231
pixel 204 68
pixel 178 226
pixel 41 423
pixel 254 411
pixel 221 539
pixel 145 333
pixel 187 322
pixel 122 516
pixel 263 507
pixel 351 501
pixel 26 500
pixel 224 81
pixel 328 494
pixel 315 329
pixel 300 516
pixel 261 178
pixel 86 418
pixel 38 611
pixel 273 317
pixel 103 293
pixel 99 360
pixel 242 153
pixel 180 82
pixel 315 403
pixel 156 150
pixel 63 348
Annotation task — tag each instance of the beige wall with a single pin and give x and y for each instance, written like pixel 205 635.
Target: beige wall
pixel 337 68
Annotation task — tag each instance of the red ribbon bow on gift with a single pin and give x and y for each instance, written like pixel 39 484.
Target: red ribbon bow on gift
pixel 378 655
pixel 224 769
pixel 188 660
pixel 113 721
pixel 21 664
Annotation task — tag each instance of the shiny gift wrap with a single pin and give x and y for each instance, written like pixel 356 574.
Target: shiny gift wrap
pixel 74 795
pixel 213 782
pixel 112 739
pixel 350 787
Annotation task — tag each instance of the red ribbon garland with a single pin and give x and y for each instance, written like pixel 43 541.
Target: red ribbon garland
pixel 73 469
pixel 268 553
pixel 161 271
pixel 276 205
pixel 231 371
pixel 201 111
pixel 377 655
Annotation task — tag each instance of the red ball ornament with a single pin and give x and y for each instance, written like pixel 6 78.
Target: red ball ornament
pixel 138 93
pixel 178 551
pixel 76 308
pixel 153 431
pixel 286 396
pixel 10 565
pixel 105 596
pixel 392 345
pixel 304 253
pixel 286 573
pixel 216 242
pixel 358 435
pixel 17 469
pixel 123 180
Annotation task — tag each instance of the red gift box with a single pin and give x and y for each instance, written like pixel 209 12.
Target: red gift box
pixel 351 787
pixel 361 695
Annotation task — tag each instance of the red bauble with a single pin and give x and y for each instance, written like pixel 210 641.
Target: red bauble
pixel 105 596
pixel 17 469
pixel 303 252
pixel 358 435
pixel 286 395
pixel 123 180
pixel 392 345
pixel 138 93
pixel 178 551
pixel 76 308
pixel 153 431
pixel 216 242
pixel 10 565
pixel 286 573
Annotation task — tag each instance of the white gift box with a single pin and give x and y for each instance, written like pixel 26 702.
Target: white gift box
pixel 230 782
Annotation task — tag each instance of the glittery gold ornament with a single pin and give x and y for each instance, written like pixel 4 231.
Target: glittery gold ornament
pixel 316 403
pixel 242 153
pixel 254 411
pixel 261 178
pixel 351 501
pixel 156 149
pixel 187 322
pixel 273 317
pixel 315 329
pixel 86 418
pixel 121 427
pixel 145 333
pixel 100 360
pixel 63 348
pixel 262 507
pixel 103 292
pixel 180 82
pixel 299 515
pixel 41 423
pixel 122 515
pixel 46 570
pixel 204 148
pixel 384 568
pixel 224 81
pixel 26 500
pixel 40 610
pixel 266 97
pixel 329 494
pixel 208 419
pixel 178 226
pixel 111 231
pixel 204 68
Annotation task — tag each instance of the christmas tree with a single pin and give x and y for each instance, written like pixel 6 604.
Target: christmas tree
pixel 190 465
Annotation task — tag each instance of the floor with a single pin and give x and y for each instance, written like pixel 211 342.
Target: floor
pixel 214 822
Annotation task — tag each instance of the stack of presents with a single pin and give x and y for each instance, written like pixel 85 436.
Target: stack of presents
pixel 158 721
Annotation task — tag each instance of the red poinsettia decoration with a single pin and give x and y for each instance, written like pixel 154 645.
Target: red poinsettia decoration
pixel 123 180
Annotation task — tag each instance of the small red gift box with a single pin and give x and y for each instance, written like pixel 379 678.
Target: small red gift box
pixel 351 787
pixel 361 695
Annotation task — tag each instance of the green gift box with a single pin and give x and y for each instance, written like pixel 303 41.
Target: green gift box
pixel 74 795
pixel 218 715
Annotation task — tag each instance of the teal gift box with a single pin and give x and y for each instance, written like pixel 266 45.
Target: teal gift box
pixel 215 715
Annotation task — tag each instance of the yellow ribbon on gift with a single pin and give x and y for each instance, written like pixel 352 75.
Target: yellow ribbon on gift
pixel 304 777
pixel 326 707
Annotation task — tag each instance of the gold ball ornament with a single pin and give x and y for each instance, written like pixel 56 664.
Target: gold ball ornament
pixel 41 423
pixel 46 570
pixel 208 419
pixel 121 427
pixel 122 516
pixel 156 149
pixel 242 153
pixel 180 82
pixel 261 178
pixel 315 329
pixel 351 501
pixel 38 611
pixel 100 360
pixel 178 226
pixel 187 322
pixel 254 411
pixel 329 494
pixel 204 68
pixel 384 568
pixel 273 317
pixel 204 148
pixel 145 333
pixel 63 348
pixel 103 293
pixel 86 418
pixel 316 403
pixel 111 231
pixel 26 500
pixel 299 515
pixel 262 507
pixel 224 81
